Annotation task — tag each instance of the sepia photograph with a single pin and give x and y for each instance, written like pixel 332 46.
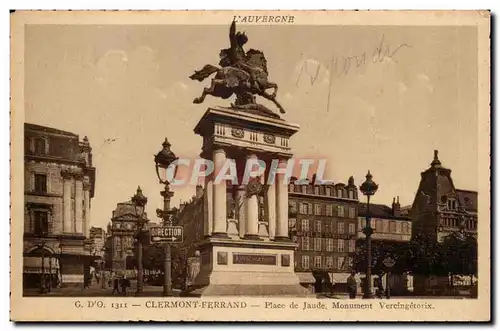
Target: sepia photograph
pixel 285 165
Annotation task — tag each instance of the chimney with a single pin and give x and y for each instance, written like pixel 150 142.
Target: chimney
pixel 396 207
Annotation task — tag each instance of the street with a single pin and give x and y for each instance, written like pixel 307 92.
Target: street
pixel 95 290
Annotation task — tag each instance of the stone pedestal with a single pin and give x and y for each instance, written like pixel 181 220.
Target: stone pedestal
pixel 250 255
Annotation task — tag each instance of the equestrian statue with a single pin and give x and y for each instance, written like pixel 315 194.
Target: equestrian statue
pixel 241 73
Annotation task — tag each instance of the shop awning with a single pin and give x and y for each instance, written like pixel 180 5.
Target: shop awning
pixel 338 277
pixel 33 265
pixel 306 277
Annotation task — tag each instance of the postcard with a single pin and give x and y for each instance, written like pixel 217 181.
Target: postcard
pixel 250 166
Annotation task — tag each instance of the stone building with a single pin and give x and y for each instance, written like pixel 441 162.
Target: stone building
pixel 439 209
pixel 390 227
pixel 59 186
pixel 122 229
pixel 323 221
pixel 98 241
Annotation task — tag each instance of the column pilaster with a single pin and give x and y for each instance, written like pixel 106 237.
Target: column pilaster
pixel 79 204
pixel 86 207
pixel 252 207
pixel 281 205
pixel 271 209
pixel 219 196
pixel 67 219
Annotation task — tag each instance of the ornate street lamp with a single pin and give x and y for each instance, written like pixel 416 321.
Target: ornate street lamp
pixel 103 263
pixel 163 160
pixel 140 202
pixel 368 188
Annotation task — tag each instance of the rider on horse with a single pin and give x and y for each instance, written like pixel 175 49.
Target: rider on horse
pixel 236 57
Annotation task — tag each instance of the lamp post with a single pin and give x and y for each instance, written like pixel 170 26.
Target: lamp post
pixel 140 202
pixel 103 280
pixel 163 160
pixel 368 188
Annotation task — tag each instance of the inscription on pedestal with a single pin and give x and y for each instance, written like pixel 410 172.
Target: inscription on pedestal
pixel 254 259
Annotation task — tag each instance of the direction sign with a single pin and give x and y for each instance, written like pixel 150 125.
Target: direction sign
pixel 389 262
pixel 166 234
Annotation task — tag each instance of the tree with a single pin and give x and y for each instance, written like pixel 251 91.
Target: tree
pixel 461 254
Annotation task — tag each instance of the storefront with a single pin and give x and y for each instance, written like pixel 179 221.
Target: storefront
pixel 35 269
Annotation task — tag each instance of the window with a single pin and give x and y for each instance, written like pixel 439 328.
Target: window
pixel 352 228
pixel 327 227
pixel 352 246
pixel 41 222
pixel 310 208
pixel 292 224
pixel 452 204
pixel 329 210
pixel 392 226
pixel 317 261
pixel 291 187
pixel 305 262
pixel 340 227
pixel 292 207
pixel 317 209
pixel 318 226
pixel 316 190
pixel 340 245
pixel 317 244
pixel 340 211
pixel 398 227
pixel 40 147
pixel 40 183
pixel 305 225
pixel 340 262
pixel 351 194
pixel 328 191
pixel 305 243
pixel 329 244
pixel 349 262
pixel 329 262
pixel 339 193
pixel 405 228
pixel 304 189
pixel 379 226
pixel 352 212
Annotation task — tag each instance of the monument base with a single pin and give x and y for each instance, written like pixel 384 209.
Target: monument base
pixel 246 267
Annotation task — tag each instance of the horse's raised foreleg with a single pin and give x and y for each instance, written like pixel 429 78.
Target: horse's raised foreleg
pixel 207 91
pixel 270 97
pixel 274 86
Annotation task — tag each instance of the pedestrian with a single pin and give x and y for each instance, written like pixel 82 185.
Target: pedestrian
pixel 352 285
pixel 125 282
pixel 115 286
pixel 380 288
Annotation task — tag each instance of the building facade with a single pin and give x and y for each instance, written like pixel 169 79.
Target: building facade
pixel 323 222
pixel 98 240
pixel 391 227
pixel 59 187
pixel 122 229
pixel 439 209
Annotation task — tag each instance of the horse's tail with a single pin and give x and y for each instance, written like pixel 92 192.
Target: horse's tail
pixel 204 72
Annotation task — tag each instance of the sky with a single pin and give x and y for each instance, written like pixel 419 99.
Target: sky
pixel 357 107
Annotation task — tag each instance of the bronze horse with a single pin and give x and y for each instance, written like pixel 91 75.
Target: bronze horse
pixel 245 80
